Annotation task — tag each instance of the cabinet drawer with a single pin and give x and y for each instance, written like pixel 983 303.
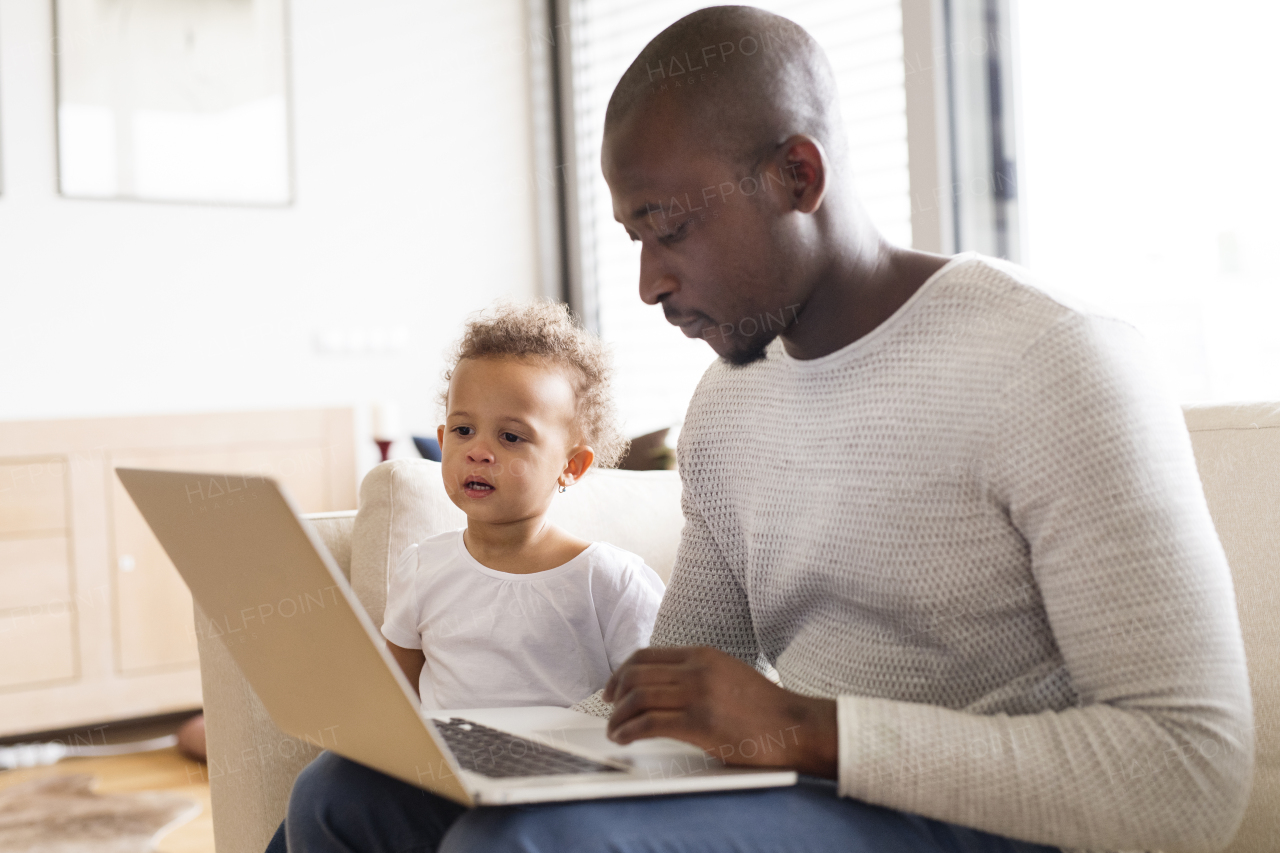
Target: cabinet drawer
pixel 32 496
pixel 33 572
pixel 37 646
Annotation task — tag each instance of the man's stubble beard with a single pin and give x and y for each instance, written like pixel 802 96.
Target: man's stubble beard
pixel 751 353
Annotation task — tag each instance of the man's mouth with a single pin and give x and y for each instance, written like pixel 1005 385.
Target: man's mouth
pixel 691 325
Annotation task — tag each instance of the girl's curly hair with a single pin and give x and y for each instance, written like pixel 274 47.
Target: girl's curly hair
pixel 547 329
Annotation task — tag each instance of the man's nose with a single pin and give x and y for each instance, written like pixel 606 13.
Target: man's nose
pixel 656 283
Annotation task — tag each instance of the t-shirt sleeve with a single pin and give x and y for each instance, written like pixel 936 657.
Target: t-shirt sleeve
pixel 400 621
pixel 1094 467
pixel 628 626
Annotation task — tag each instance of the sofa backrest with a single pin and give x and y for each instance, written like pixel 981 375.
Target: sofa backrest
pixel 1238 453
pixel 403 501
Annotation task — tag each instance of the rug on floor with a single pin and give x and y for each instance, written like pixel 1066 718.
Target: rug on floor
pixel 61 814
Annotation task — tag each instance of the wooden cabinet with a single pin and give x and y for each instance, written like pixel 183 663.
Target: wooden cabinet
pixel 37 631
pixel 152 606
pixel 95 622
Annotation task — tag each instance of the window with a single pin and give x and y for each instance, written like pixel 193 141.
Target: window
pixel 1125 152
pixel 1149 176
pixel 657 367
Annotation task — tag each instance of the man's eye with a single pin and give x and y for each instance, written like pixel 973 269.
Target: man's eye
pixel 677 235
pixel 510 437
pixel 462 430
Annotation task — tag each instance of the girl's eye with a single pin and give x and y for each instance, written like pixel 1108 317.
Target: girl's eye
pixel 462 430
pixel 511 437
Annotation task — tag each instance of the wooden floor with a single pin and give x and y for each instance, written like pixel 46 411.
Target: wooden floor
pixel 161 770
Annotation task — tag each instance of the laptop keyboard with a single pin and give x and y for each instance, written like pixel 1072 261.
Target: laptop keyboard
pixel 497 754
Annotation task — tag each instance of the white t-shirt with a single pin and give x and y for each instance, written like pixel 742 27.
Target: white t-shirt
pixel 494 639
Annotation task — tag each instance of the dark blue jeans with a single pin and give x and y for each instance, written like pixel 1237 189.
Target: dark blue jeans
pixel 339 805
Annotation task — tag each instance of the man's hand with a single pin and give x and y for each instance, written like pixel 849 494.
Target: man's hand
pixel 712 700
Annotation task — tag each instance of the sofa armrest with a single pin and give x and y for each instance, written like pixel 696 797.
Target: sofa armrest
pixel 334 529
pixel 252 764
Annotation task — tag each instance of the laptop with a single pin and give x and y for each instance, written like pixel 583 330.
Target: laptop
pixel 269 588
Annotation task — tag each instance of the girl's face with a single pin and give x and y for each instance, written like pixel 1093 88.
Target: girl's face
pixel 509 437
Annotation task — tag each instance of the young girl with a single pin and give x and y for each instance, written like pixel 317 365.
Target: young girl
pixel 512 610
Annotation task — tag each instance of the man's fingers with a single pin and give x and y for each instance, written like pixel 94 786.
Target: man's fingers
pixel 637 701
pixel 647 674
pixel 632 674
pixel 651 724
pixel 664 654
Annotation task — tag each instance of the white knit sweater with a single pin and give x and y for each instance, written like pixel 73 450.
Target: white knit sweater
pixel 980 527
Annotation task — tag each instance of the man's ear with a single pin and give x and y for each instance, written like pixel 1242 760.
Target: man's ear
pixel 579 461
pixel 803 164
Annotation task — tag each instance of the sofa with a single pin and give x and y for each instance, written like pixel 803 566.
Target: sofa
pixel 252 764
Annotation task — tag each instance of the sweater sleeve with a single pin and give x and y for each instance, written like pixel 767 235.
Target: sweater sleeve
pixel 1093 465
pixel 704 605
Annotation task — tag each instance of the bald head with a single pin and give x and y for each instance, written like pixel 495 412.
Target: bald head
pixel 726 160
pixel 737 79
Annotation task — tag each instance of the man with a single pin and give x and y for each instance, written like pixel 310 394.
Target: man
pixel 956 515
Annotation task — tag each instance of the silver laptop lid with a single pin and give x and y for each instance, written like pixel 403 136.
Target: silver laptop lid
pixel 267 585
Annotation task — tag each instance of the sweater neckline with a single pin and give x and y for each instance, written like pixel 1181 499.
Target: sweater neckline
pixel 874 336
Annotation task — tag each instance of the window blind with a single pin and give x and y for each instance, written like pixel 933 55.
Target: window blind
pixel 657 368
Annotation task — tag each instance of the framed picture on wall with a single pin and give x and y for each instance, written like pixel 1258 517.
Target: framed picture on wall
pixel 174 100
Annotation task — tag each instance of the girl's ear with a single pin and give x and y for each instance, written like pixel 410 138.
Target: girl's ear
pixel 579 461
pixel 440 437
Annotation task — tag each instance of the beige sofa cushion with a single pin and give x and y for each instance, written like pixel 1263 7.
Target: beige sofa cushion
pixel 1238 453
pixel 403 501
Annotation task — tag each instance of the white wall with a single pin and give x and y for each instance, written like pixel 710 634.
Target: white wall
pixel 414 206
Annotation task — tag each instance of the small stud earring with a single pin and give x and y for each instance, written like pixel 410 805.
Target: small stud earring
pixel 562 488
